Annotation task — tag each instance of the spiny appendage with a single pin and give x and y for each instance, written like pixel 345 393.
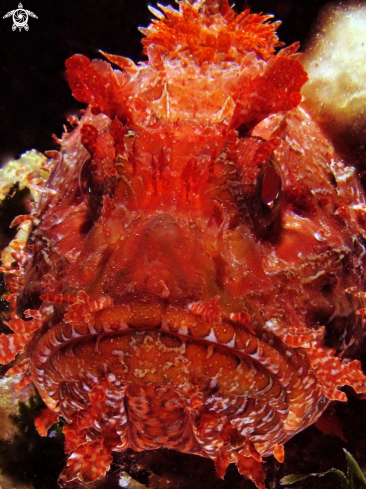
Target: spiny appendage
pixel 21 368
pixel 247 460
pixel 12 344
pixel 331 371
pixel 90 451
pixel 91 454
pixel 256 80
pixel 81 308
pixel 251 468
pixel 96 83
pixel 227 36
pixel 88 462
pixel 263 83
pixel 210 311
pixel 31 170
pixel 92 434
pixel 45 420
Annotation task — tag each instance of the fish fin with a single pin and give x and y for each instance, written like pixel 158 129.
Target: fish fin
pixel 45 420
pixel 259 93
pixel 329 424
pixel 95 82
pixel 222 461
pixel 251 468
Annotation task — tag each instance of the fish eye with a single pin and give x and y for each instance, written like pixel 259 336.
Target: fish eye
pixel 266 206
pixel 91 192
pixel 85 179
pixel 94 185
pixel 269 185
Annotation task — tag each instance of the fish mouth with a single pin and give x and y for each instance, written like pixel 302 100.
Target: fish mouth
pixel 174 348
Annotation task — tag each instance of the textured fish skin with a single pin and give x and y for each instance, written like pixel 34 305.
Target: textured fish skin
pixel 196 235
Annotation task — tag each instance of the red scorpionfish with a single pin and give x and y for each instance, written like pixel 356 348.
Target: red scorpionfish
pixel 196 240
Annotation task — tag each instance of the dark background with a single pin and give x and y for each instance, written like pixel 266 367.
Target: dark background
pixel 34 96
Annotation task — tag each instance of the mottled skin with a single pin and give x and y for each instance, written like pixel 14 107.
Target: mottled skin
pixel 197 233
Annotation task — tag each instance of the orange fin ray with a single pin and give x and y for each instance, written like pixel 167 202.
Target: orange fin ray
pixel 210 311
pixel 222 461
pixel 25 327
pixel 251 468
pixel 279 453
pixel 97 84
pixel 261 93
pixel 88 463
pixel 20 368
pixel 45 420
pixel 25 380
pixel 11 345
pixel 333 373
pixel 329 424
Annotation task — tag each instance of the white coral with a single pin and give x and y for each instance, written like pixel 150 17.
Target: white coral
pixel 336 64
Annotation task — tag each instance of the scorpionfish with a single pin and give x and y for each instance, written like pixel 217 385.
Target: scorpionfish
pixel 196 242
